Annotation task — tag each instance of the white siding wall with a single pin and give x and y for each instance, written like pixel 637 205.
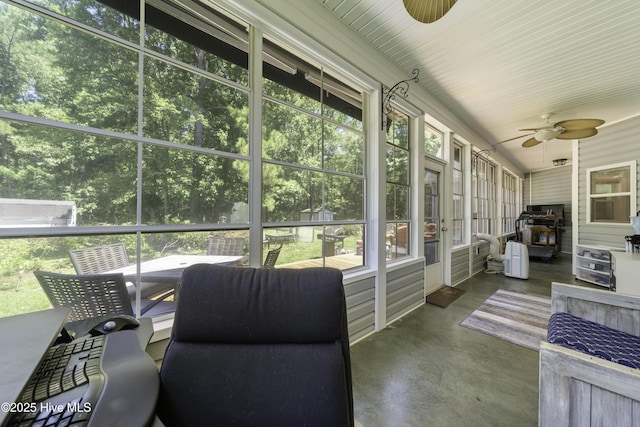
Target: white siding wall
pixel 405 289
pixel 616 143
pixel 549 187
pixel 360 298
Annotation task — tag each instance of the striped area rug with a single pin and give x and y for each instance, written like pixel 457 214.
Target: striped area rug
pixel 517 317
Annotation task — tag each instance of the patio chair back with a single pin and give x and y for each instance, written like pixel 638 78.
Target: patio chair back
pixel 225 246
pixel 98 259
pixel 87 296
pixel 272 257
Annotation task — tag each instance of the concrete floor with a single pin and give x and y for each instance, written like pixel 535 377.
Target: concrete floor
pixel 426 370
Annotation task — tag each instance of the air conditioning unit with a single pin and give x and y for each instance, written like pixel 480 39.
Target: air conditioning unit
pixel 516 260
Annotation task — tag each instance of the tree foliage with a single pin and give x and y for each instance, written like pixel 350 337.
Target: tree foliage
pixel 54 71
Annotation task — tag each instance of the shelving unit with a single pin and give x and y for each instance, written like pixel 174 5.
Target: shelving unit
pixel 593 265
pixel 625 267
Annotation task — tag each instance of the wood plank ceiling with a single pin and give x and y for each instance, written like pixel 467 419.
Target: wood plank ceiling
pixel 500 65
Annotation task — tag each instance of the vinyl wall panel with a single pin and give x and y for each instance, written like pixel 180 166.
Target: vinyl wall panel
pixel 551 187
pixel 479 257
pixel 460 265
pixel 617 143
pixel 405 289
pixel 360 299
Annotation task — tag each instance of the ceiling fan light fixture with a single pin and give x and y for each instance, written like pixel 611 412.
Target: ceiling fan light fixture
pixel 559 162
pixel 547 134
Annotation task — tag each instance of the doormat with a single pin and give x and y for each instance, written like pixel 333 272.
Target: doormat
pixel 444 296
pixel 517 317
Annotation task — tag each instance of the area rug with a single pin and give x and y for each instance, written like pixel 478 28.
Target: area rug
pixel 517 317
pixel 444 296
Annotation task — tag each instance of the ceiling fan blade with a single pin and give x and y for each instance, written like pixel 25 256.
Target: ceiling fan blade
pixel 428 11
pixel 578 134
pixel 534 129
pixel 579 124
pixel 531 142
pixel 517 137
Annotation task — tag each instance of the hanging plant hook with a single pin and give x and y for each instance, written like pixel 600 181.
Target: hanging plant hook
pixel 389 94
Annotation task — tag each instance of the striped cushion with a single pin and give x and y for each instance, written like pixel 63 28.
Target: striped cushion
pixel 594 339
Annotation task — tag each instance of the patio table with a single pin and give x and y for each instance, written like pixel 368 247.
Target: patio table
pixel 169 269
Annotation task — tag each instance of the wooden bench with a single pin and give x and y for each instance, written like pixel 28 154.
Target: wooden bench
pixel 580 389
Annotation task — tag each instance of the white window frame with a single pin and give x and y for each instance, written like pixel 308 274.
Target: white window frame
pixel 632 193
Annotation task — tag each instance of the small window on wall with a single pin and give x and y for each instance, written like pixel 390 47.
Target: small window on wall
pixel 433 141
pixel 611 192
pixel 398 187
pixel 458 197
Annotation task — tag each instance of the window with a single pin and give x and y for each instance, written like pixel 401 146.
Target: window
pixel 175 159
pixel 313 154
pixel 458 196
pixel 431 217
pixel 611 193
pixel 138 133
pixel 483 186
pixel 398 191
pixel 509 203
pixel 433 141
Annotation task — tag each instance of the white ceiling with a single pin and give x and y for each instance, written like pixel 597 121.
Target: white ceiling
pixel 498 65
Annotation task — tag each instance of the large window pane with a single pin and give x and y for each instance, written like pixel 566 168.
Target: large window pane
pixel 313 162
pixel 344 197
pixel 397 165
pixel 57 72
pixel 615 180
pixel 610 209
pixel 398 131
pixel 290 194
pixel 398 203
pixel 97 174
pixel 343 149
pixel 184 187
pixel 291 136
pixel 338 245
pixel 458 196
pixel 184 107
pixel 201 51
pixel 97 15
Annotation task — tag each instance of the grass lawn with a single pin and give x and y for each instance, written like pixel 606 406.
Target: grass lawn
pixel 21 294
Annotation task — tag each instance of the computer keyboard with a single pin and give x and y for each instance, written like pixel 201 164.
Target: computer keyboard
pixel 65 388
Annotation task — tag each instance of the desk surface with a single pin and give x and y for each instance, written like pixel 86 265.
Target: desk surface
pixel 25 338
pixel 170 268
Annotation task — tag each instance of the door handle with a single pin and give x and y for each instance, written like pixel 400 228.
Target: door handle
pixel 444 228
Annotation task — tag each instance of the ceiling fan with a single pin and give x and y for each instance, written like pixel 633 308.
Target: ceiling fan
pixel 566 129
pixel 428 11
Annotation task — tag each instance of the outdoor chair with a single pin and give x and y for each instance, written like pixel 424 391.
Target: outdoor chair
pixel 101 259
pixel 225 245
pixel 272 257
pixel 257 346
pixel 96 295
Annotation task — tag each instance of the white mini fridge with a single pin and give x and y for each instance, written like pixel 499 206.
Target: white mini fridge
pixel 516 260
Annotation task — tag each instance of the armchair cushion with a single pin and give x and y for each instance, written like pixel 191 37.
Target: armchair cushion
pixel 594 339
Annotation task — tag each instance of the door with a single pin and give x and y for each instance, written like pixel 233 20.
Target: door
pixel 433 226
